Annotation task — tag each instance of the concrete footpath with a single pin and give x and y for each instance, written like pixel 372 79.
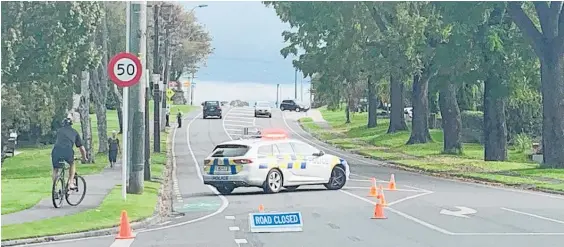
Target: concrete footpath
pixel 317 118
pixel 98 186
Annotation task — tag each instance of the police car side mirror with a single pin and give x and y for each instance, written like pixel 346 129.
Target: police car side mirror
pixel 321 153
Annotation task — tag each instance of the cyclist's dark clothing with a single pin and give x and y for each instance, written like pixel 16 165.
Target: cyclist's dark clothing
pixel 66 138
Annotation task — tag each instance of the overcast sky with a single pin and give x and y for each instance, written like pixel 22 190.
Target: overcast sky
pixel 246 64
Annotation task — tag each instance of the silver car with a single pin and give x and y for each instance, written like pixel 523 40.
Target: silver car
pixel 263 109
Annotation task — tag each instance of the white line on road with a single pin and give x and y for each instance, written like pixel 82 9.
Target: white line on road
pixel 248 117
pixel 534 215
pixel 420 189
pixel 386 189
pixel 236 130
pixel 164 223
pixel 233 228
pixel 241 241
pixel 230 217
pixel 237 125
pixel 508 234
pixel 236 121
pixel 122 242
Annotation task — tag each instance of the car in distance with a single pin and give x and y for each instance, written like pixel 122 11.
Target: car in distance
pixel 211 108
pixel 293 105
pixel 263 108
pixel 272 163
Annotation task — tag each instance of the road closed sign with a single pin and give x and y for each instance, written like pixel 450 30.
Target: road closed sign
pixel 124 69
pixel 276 222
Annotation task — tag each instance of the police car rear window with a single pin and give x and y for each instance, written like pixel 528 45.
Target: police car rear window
pixel 212 103
pixel 230 150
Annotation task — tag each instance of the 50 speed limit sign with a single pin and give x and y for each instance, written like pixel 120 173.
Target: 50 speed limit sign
pixel 125 69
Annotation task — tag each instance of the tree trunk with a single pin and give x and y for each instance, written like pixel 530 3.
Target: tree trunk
pixel 348 112
pixel 552 79
pixel 83 109
pixel 99 93
pixel 419 99
pixel 495 130
pixel 397 118
pixel 372 104
pixel 452 123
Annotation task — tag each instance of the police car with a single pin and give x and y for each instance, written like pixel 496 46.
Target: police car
pixel 272 162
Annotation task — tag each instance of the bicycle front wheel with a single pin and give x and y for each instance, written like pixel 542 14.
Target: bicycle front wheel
pixel 57 192
pixel 75 196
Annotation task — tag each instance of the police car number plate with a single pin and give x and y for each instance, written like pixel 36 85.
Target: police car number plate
pixel 222 168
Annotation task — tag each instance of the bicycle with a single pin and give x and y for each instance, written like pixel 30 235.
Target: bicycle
pixel 57 194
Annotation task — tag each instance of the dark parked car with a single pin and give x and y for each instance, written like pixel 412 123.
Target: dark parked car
pixel 212 108
pixel 293 105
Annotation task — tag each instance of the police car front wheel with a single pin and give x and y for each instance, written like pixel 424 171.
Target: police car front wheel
pixel 273 183
pixel 225 189
pixel 337 180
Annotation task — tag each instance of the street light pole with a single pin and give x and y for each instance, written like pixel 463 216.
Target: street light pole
pixel 296 84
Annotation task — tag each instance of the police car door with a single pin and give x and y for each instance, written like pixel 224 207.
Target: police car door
pixel 316 166
pixel 289 165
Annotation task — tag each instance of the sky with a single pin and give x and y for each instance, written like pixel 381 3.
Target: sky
pixel 247 38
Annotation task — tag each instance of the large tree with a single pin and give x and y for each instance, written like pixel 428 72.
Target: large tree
pixel 548 44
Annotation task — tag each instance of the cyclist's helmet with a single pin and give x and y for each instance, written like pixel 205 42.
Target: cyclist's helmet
pixel 67 122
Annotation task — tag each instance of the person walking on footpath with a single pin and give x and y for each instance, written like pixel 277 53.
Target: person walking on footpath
pixel 179 119
pixel 167 118
pixel 113 143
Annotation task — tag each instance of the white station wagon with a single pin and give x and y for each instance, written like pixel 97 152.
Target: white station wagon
pixel 271 163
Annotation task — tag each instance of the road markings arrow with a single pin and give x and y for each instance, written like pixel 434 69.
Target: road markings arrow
pixel 463 211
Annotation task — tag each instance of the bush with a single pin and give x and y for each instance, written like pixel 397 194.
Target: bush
pixel 472 126
pixel 522 143
pixel 524 113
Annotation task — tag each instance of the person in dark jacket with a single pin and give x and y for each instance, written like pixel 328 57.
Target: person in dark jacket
pixel 179 119
pixel 113 143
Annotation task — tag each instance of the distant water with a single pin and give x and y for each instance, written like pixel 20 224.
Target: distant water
pixel 246 91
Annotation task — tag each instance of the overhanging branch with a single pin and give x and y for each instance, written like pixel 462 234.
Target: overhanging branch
pixel 527 27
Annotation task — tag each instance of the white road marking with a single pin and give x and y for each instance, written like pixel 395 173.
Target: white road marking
pixel 241 241
pixel 508 234
pixel 233 228
pixel 230 217
pixel 241 115
pixel 178 217
pixel 534 215
pixel 164 223
pixel 236 121
pixel 122 243
pixel 462 212
pixel 249 117
pixel 409 198
pixel 236 130
pixel 409 217
pixel 237 125
pixel 386 189
pixel 420 189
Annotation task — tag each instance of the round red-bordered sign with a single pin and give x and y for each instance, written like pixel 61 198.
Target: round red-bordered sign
pixel 124 69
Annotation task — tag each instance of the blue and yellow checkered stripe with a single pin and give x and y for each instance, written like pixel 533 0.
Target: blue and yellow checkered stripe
pixel 284 165
pixel 234 167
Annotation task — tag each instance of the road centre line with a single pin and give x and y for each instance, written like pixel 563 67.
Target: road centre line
pixel 238 125
pixel 420 189
pixel 533 215
pixel 233 228
pixel 229 116
pixel 236 130
pixel 385 189
pixel 244 115
pixel 229 217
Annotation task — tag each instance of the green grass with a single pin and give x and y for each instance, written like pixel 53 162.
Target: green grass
pixel 106 215
pixel 375 142
pixel 26 178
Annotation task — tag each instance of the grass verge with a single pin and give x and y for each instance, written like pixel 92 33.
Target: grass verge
pixel 106 215
pixel 376 143
pixel 26 178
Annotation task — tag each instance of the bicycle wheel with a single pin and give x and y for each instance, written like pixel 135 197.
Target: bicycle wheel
pixel 77 193
pixel 57 192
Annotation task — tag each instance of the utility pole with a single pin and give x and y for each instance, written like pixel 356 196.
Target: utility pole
pixel 192 89
pixel 166 71
pixel 147 169
pixel 156 85
pixel 296 84
pixel 302 90
pixel 277 94
pixel 137 43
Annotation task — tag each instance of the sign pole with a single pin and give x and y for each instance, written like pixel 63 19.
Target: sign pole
pixel 125 111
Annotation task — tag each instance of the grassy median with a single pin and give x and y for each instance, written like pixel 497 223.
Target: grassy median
pixel 374 142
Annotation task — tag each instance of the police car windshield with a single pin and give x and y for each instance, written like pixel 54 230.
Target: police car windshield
pixel 230 150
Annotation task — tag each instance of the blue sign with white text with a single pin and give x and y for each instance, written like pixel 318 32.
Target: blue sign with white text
pixel 276 222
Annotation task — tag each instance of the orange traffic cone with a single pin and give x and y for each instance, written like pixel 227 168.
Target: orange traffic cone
pixel 379 212
pixel 382 198
pixel 261 208
pixel 392 184
pixel 125 231
pixel 373 191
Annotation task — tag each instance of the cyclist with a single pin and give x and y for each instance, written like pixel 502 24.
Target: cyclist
pixel 66 138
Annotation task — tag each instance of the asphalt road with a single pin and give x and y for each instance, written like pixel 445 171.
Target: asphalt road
pixel 497 216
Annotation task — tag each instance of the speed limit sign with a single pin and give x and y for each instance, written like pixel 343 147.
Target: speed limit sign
pixel 125 69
